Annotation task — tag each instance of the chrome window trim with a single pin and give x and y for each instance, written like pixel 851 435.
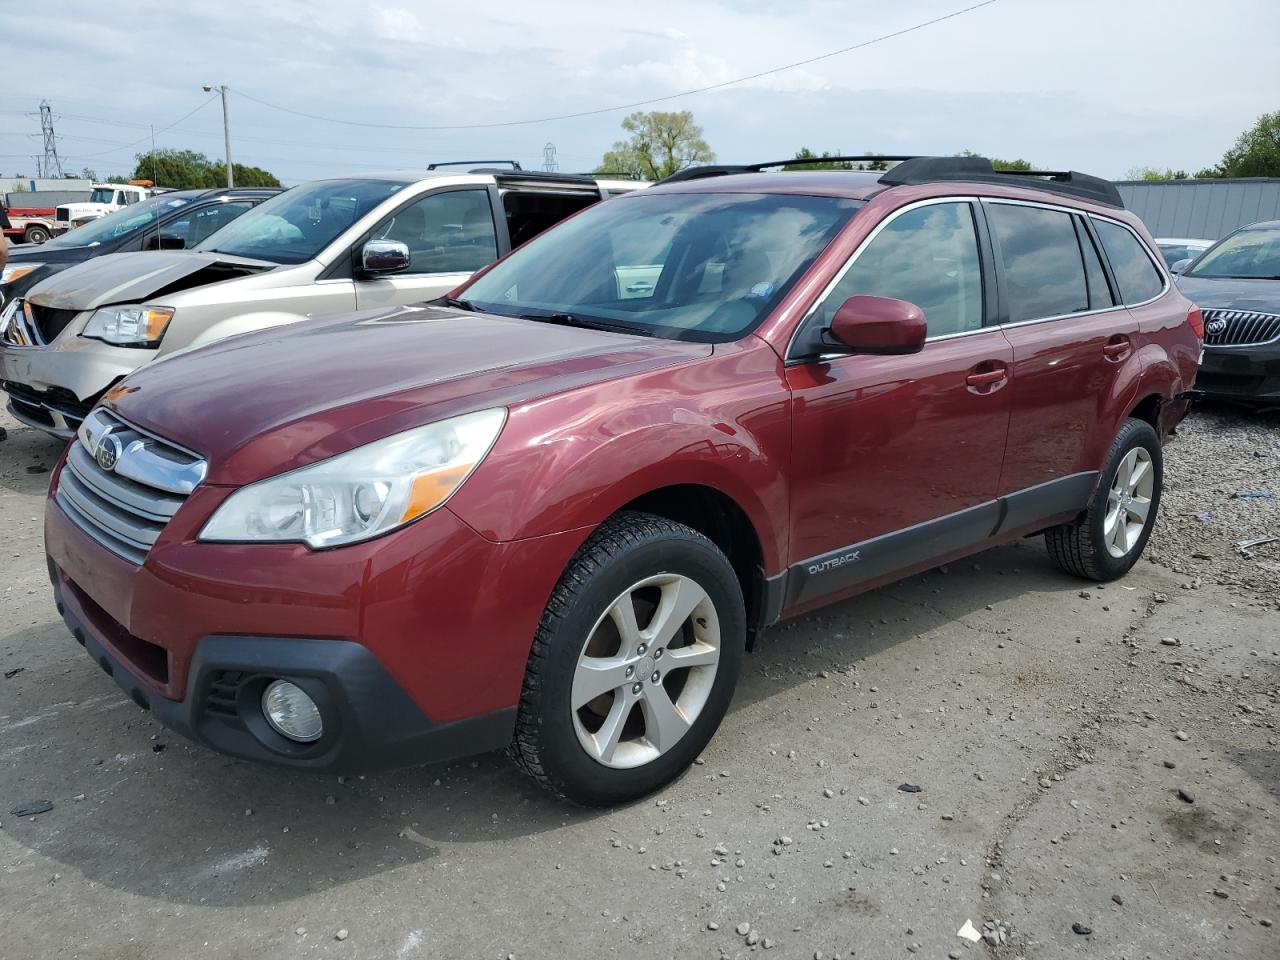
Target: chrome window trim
pixel 818 300
pixel 1157 262
pixel 853 257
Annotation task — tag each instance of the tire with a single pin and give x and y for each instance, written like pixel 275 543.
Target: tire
pixel 1091 547
pixel 35 235
pixel 591 727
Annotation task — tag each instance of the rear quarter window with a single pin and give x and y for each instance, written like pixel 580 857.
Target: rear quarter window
pixel 1137 276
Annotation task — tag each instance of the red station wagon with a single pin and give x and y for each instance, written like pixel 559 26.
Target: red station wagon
pixel 551 511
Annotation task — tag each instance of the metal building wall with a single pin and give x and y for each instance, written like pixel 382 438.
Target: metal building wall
pixel 1207 209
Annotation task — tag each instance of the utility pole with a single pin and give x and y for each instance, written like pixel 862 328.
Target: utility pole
pixel 52 165
pixel 549 162
pixel 226 127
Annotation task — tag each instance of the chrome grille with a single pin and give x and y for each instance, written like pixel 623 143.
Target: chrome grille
pixel 1243 328
pixel 124 504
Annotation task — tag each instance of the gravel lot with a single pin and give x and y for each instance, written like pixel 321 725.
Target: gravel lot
pixel 1051 726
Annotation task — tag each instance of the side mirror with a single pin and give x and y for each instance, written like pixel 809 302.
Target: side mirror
pixel 880 325
pixel 1180 265
pixel 384 256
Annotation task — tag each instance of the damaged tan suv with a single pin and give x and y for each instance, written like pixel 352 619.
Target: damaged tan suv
pixel 330 246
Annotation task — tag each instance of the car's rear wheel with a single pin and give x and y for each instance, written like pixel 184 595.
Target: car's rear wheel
pixel 36 235
pixel 1105 541
pixel 634 662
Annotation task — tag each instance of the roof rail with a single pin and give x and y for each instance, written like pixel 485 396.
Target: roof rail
pixel 979 169
pixel 515 164
pixel 720 170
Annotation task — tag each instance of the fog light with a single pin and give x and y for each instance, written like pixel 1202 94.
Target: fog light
pixel 291 712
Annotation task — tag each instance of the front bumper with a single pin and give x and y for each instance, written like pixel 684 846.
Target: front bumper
pixel 56 412
pixel 52 387
pixel 1249 373
pixel 414 643
pixel 369 720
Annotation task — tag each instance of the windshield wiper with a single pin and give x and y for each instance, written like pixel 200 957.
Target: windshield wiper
pixel 456 303
pixel 573 320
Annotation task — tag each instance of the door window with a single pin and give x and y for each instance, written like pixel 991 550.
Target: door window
pixel 1136 275
pixel 212 218
pixel 927 256
pixel 445 232
pixel 1043 270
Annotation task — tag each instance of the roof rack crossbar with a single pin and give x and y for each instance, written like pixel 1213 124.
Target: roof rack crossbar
pixel 515 164
pixel 720 170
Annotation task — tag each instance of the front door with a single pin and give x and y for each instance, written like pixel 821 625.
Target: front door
pixel 896 459
pixel 450 235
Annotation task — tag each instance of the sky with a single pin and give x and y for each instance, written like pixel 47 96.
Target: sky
pixel 1102 86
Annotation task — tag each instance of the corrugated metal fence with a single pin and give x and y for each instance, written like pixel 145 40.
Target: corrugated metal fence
pixel 1207 209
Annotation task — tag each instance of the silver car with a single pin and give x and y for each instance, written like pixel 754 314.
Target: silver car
pixel 329 246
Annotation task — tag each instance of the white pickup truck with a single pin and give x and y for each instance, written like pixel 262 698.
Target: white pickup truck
pixel 105 198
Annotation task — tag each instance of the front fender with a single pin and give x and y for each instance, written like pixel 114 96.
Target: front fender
pixel 242 323
pixel 570 461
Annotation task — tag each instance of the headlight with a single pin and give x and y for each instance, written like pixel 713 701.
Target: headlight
pixel 16 271
pixel 129 326
pixel 361 493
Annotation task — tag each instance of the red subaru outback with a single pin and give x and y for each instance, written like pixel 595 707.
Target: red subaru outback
pixel 551 511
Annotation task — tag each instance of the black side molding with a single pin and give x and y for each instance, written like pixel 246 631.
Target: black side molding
pixel 868 560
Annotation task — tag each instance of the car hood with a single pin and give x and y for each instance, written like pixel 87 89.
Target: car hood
pixel 46 253
pixel 1232 294
pixel 138 277
pixel 262 403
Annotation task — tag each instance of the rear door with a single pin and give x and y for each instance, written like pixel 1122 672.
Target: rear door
pixel 1071 341
pixel 450 235
pixel 896 459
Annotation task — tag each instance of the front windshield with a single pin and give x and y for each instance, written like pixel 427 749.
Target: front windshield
pixel 1246 255
pixel 706 266
pixel 102 195
pixel 120 222
pixel 296 225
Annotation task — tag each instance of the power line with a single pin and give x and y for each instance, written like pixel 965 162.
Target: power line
pixel 149 136
pixel 637 103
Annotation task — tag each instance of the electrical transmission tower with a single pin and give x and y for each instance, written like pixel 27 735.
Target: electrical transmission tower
pixel 52 166
pixel 549 163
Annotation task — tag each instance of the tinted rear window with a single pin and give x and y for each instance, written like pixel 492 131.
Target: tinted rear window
pixel 1136 275
pixel 1043 270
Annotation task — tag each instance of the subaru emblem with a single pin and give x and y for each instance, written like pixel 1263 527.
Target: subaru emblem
pixel 108 452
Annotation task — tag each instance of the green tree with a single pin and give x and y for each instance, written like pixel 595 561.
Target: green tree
pixel 1256 152
pixel 188 169
pixel 660 144
pixel 245 176
pixel 1151 173
pixel 804 153
pixel 1018 165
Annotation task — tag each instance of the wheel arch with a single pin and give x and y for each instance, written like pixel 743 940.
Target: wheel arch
pixel 719 518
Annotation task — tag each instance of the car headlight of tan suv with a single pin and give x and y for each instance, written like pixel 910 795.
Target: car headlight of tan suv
pixel 362 493
pixel 129 326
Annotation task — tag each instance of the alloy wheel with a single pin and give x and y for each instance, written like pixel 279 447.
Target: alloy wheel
pixel 1129 502
pixel 645 671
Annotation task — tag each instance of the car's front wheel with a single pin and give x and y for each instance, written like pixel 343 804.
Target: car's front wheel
pixel 1105 541
pixel 634 662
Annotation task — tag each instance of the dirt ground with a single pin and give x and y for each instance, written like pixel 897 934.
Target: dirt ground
pixel 1103 758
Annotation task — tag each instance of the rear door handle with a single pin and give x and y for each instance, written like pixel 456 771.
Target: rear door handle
pixel 1117 348
pixel 985 378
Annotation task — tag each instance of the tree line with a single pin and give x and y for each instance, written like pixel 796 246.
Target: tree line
pixel 662 143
